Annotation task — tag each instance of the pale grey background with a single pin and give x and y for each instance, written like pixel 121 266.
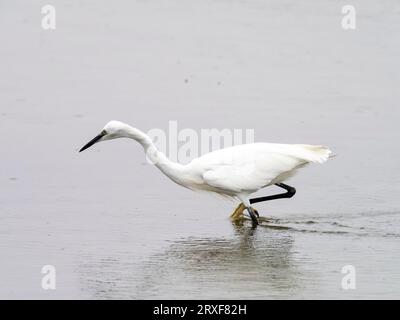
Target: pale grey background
pixel 115 228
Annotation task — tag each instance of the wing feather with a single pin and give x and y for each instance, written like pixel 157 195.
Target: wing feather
pixel 248 168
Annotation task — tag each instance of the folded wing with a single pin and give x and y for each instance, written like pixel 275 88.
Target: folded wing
pixel 248 168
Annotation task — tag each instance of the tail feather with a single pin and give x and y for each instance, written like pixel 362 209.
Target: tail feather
pixel 314 153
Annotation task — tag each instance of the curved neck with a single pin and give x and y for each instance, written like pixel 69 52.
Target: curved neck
pixel 171 169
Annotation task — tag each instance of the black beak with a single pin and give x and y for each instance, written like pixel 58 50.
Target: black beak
pixel 93 141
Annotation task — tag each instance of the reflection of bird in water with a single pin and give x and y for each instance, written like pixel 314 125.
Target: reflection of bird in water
pixel 235 172
pixel 224 267
pixel 249 263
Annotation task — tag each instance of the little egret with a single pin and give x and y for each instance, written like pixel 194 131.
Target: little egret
pixel 235 172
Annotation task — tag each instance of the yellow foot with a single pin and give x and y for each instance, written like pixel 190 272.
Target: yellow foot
pixel 238 213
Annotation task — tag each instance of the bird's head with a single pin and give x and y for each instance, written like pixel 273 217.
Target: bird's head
pixel 112 130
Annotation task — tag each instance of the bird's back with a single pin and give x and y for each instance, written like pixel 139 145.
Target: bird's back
pixel 249 152
pixel 249 167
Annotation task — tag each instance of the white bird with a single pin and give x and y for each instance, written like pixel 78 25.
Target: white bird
pixel 235 172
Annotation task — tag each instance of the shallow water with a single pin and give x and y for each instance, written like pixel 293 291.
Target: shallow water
pixel 113 227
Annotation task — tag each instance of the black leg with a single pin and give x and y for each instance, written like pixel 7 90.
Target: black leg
pixel 253 216
pixel 256 212
pixel 290 193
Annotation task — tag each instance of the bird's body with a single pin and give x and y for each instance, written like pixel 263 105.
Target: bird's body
pixel 244 169
pixel 234 172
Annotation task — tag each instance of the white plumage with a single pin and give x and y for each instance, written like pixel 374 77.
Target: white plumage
pixel 235 172
pixel 250 167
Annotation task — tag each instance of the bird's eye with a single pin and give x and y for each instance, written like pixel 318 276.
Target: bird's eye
pixel 104 132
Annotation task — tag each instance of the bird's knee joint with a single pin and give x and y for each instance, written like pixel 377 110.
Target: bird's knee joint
pixel 291 192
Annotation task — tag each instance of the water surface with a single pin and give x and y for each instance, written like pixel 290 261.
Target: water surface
pixel 114 227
